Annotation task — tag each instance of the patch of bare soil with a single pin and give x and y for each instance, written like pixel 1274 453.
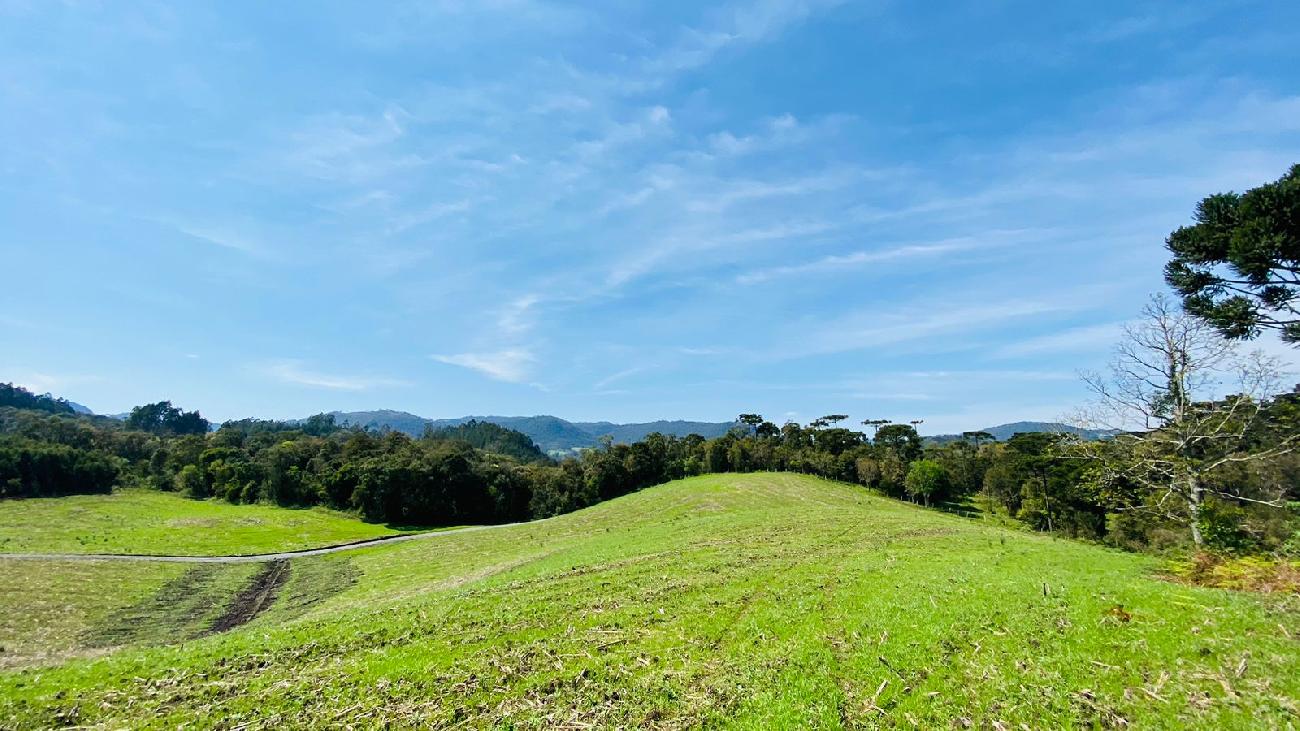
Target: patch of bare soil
pixel 173 611
pixel 255 598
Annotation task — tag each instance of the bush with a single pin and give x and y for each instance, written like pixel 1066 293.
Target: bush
pixel 190 481
pixel 1223 527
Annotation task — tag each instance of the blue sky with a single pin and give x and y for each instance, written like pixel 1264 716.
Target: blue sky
pixel 624 210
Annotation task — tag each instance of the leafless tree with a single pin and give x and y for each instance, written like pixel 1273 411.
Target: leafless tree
pixel 1184 403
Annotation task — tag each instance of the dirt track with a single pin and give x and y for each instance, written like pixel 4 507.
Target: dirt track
pixel 258 596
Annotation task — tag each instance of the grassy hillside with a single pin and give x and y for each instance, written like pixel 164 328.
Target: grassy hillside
pixel 753 601
pixel 150 522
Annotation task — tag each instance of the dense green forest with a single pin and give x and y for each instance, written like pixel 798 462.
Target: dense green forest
pixel 483 473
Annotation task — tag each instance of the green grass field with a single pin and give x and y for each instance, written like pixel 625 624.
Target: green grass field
pixel 151 522
pixel 750 601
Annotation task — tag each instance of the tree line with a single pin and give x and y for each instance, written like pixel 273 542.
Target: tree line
pixel 483 473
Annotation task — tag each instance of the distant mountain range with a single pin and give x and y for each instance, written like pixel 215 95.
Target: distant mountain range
pixel 551 433
pixel 555 435
pixel 1003 432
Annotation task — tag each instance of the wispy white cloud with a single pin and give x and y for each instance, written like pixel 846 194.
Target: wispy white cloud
pixel 220 237
pixel 729 193
pixel 776 133
pixel 1089 338
pixel 296 372
pixel 1169 19
pixel 735 25
pixel 841 262
pixel 516 317
pixel 733 243
pixel 408 220
pixel 890 396
pixel 656 120
pixel 39 382
pixel 513 365
pixel 347 147
pixel 618 376
pixel 920 322
pixel 452 24
pixel 989 374
pixel 46 382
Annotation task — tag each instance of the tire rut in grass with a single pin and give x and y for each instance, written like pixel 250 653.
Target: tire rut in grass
pixel 313 581
pixel 181 609
pixel 255 598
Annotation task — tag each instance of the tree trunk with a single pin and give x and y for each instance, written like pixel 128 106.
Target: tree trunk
pixel 1195 494
pixel 1047 504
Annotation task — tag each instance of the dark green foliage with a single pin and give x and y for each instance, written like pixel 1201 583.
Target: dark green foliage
pixel 1224 528
pixel 20 398
pixel 490 438
pixel 41 469
pixel 318 426
pixel 1238 267
pixel 190 482
pixel 901 440
pixel 1052 495
pixel 165 419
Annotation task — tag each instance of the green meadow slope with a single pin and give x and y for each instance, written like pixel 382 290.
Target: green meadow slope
pixel 758 601
pixel 149 522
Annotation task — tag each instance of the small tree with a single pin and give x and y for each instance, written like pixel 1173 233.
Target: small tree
pixel 753 421
pixel 926 479
pixel 1174 433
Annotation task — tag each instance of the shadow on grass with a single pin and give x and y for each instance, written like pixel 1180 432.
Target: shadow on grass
pixel 965 507
pixel 400 528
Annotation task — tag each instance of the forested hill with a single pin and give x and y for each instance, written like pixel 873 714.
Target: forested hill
pixel 1003 432
pixel 493 438
pixel 551 433
pixel 20 398
pixel 629 433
